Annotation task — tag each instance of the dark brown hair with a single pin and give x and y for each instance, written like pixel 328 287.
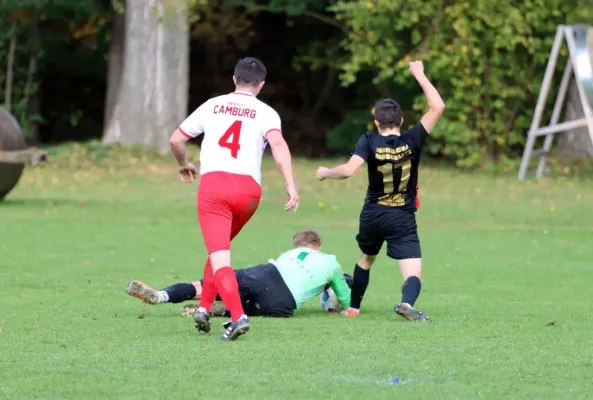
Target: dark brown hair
pixel 388 113
pixel 250 72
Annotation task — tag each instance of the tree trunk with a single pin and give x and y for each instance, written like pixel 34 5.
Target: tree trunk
pixel 575 143
pixel 10 69
pixel 115 67
pixel 31 98
pixel 152 96
pixel 34 109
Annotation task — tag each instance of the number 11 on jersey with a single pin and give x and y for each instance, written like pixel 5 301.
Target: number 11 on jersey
pixel 230 138
pixel 390 184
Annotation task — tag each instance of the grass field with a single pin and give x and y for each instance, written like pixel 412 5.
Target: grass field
pixel 507 281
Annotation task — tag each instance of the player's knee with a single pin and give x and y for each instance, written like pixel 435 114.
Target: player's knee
pixel 365 261
pixel 220 259
pixel 410 267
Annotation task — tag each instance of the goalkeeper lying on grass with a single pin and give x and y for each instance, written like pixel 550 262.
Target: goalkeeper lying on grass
pixel 275 289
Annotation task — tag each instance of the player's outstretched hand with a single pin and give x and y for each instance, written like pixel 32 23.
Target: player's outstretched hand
pixel 188 173
pixel 321 173
pixel 293 200
pixel 417 68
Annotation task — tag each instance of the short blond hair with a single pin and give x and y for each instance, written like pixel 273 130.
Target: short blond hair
pixel 306 237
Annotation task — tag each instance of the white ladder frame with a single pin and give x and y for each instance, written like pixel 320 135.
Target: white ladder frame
pixel 583 72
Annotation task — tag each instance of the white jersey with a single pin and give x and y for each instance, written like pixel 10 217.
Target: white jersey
pixel 235 126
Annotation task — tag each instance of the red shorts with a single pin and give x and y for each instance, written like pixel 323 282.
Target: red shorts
pixel 225 203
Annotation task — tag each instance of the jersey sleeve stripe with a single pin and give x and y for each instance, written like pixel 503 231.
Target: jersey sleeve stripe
pixel 272 130
pixel 187 135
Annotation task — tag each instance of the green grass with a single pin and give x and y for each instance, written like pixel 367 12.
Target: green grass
pixel 507 281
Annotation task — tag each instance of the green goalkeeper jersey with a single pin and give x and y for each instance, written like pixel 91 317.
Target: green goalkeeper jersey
pixel 306 272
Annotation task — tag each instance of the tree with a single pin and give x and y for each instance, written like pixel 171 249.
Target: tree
pixel 115 63
pixel 150 100
pixel 20 25
pixel 487 57
pixel 305 53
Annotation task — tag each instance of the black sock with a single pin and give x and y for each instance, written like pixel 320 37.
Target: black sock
pixel 359 285
pixel 411 290
pixel 180 292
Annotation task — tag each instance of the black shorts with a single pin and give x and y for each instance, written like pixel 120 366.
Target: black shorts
pixel 264 293
pixel 397 227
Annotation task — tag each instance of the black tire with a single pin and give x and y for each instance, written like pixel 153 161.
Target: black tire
pixel 11 139
pixel 9 177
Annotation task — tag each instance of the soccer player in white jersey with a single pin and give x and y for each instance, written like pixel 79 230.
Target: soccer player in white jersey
pixel 236 128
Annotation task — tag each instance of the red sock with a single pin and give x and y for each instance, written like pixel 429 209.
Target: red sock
pixel 208 288
pixel 228 288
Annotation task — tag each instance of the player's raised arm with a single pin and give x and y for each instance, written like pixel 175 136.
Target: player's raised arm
pixel 283 159
pixel 436 105
pixel 347 170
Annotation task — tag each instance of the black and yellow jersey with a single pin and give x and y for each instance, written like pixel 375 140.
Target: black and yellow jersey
pixel 392 166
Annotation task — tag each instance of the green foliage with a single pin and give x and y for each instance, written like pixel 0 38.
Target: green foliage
pixel 36 25
pixel 290 7
pixel 346 133
pixel 19 53
pixel 486 57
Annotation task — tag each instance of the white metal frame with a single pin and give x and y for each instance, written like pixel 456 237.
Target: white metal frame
pixel 581 66
pixel 32 156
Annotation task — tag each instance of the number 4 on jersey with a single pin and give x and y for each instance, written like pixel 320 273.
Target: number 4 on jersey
pixel 230 139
